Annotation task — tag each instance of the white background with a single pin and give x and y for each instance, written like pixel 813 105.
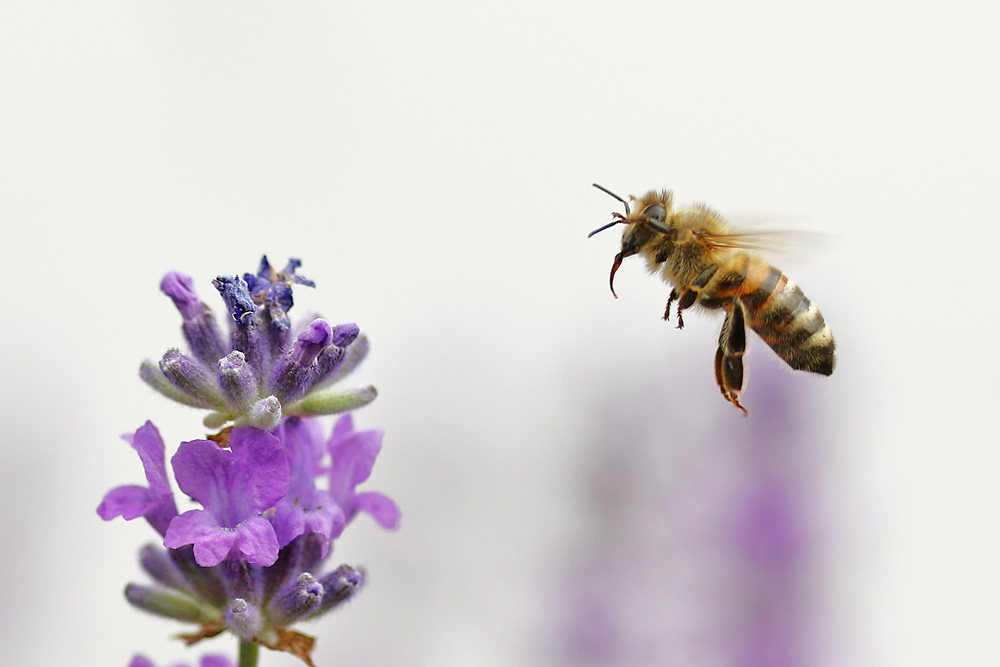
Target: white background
pixel 431 164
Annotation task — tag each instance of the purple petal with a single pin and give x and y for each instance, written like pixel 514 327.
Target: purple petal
pixel 290 521
pixel 342 427
pixel 199 466
pixel 262 467
pixel 233 485
pixel 381 507
pixel 180 288
pixel 212 543
pixel 155 503
pixel 128 502
pixel 149 445
pixel 257 542
pixel 216 661
pixel 353 457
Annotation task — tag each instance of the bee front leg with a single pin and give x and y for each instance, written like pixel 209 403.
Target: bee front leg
pixel 690 295
pixel 673 297
pixel 729 356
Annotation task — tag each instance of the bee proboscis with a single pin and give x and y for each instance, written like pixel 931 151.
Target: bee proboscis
pixel 708 264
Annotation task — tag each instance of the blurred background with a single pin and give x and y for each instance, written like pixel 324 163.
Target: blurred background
pixel 574 489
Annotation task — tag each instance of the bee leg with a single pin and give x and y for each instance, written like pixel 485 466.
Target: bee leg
pixel 729 356
pixel 690 295
pixel 673 297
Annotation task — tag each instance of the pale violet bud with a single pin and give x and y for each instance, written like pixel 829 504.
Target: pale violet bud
pixel 326 372
pixel 157 562
pixel 339 586
pixel 169 603
pixel 154 377
pixel 298 600
pixel 244 619
pixel 344 334
pixel 333 402
pixel 265 414
pixel 200 329
pixel 189 376
pixel 238 382
pixel 289 379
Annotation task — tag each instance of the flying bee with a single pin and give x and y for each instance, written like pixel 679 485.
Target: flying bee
pixel 708 264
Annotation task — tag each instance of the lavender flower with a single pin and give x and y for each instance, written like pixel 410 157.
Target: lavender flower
pixel 263 372
pixel 155 502
pixel 274 493
pixel 234 486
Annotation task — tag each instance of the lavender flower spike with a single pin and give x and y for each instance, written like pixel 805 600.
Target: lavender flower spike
pixel 155 502
pixel 234 487
pixel 274 493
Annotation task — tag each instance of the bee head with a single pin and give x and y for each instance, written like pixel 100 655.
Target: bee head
pixel 650 218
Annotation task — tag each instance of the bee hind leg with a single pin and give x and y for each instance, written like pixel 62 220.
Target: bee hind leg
pixel 729 356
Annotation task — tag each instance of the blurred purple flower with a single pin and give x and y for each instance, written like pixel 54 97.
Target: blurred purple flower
pixel 206 661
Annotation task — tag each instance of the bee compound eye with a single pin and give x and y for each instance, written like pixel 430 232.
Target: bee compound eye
pixel 655 213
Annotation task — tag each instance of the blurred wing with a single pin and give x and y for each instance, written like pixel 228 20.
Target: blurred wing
pixel 773 242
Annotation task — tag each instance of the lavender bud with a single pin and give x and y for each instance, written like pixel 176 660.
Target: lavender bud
pixel 244 619
pixel 154 377
pixel 169 603
pixel 288 381
pixel 339 586
pixel 265 414
pixel 203 582
pixel 298 600
pixel 238 382
pixel 344 334
pixel 191 378
pixel 333 402
pixel 200 329
pixel 327 363
pixel 353 356
pixel 158 564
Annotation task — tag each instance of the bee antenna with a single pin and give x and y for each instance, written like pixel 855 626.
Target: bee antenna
pixel 601 229
pixel 605 190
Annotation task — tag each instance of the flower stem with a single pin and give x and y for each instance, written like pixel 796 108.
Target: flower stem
pixel 248 653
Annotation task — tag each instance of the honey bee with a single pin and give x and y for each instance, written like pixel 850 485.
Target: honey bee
pixel 708 264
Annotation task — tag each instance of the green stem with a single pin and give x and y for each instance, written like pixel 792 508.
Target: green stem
pixel 248 653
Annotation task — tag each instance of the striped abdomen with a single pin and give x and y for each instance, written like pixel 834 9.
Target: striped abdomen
pixel 777 310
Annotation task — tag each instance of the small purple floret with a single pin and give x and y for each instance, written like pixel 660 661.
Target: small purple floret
pixel 206 661
pixel 155 502
pixel 234 487
pixel 344 334
pixel 311 342
pixel 180 288
pixel 305 509
pixel 353 453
